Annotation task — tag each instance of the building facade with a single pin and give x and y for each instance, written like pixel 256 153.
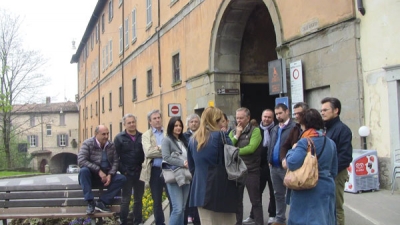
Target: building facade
pixel 140 55
pixel 51 132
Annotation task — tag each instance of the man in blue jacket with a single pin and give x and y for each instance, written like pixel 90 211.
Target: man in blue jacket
pixel 128 144
pixel 341 135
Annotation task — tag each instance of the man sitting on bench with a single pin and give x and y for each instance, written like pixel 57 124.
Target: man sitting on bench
pixel 98 161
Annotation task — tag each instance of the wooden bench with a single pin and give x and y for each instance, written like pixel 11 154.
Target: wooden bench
pixel 51 201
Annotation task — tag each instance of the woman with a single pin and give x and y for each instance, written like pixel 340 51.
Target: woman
pixel 315 205
pixel 224 124
pixel 204 149
pixel 174 152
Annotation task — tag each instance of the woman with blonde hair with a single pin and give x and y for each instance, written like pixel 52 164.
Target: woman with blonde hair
pixel 205 153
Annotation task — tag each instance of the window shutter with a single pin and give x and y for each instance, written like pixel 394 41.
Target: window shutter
pixel 66 140
pixel 29 140
pixel 58 140
pixel 37 141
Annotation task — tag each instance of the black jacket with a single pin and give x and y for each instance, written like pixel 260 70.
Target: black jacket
pixel 341 134
pixel 131 154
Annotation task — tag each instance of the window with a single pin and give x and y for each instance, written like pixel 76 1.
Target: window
pixel 33 140
pixel 110 136
pixel 91 42
pixel 102 23
pixel 133 25
pixel 104 59
pixel 148 4
pixel 134 92
pixel 48 129
pixel 126 33
pixel 62 119
pixel 110 10
pixel 91 131
pixel 32 120
pixel 120 2
pixel 102 104
pixel 83 114
pixel 97 33
pixel 121 44
pixel 121 96
pixel 120 126
pixel 86 115
pixel 62 140
pixel 107 62
pixel 97 110
pixel 176 76
pixel 91 111
pixel 110 103
pixel 149 82
pixel 110 50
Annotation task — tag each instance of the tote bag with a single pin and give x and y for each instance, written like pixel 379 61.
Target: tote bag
pixel 305 177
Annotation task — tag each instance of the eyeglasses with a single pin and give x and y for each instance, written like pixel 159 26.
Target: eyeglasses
pixel 324 110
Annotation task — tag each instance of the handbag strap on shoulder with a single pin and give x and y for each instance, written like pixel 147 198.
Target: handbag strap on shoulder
pixel 223 137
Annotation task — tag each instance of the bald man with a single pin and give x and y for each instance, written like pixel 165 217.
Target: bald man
pixel 98 161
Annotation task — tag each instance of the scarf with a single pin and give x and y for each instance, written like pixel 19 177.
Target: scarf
pixel 311 132
pixel 266 133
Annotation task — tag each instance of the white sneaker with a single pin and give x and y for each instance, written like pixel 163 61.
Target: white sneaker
pixel 271 220
pixel 248 221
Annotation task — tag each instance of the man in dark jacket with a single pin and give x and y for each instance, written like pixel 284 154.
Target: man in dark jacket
pixel 278 135
pixel 248 138
pixel 128 144
pixel 266 125
pixel 98 161
pixel 341 135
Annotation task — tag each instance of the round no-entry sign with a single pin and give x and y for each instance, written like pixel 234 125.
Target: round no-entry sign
pixel 174 109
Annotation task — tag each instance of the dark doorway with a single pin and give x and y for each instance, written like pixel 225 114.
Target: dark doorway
pixel 43 164
pixel 256 98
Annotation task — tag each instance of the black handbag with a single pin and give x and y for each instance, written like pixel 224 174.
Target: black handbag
pixel 222 194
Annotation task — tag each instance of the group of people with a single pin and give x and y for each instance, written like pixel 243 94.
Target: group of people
pixel 268 150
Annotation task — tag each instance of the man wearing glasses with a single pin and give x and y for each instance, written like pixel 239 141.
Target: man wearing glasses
pixel 341 135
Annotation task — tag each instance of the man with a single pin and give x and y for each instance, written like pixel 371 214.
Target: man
pixel 248 138
pixel 298 111
pixel 276 154
pixel 151 168
pixel 191 213
pixel 341 135
pixel 98 161
pixel 266 125
pixel 129 147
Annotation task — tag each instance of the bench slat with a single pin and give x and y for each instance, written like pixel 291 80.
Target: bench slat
pixel 56 212
pixel 45 195
pixel 49 203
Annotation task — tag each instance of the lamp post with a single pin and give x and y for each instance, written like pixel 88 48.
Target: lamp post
pixel 364 132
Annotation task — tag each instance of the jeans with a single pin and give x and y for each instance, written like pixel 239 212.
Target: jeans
pixel 277 176
pixel 340 180
pixel 178 196
pixel 253 188
pixel 132 183
pixel 88 179
pixel 157 185
pixel 265 177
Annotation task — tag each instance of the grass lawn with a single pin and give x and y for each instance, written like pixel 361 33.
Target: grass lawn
pixel 16 173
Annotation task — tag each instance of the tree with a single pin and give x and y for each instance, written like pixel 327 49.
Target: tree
pixel 20 79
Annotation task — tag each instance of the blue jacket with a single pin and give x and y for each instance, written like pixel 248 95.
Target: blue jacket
pixel 315 206
pixel 199 161
pixel 341 135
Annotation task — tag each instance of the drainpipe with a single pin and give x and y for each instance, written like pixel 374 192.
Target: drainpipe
pixel 360 6
pixel 159 54
pixel 122 60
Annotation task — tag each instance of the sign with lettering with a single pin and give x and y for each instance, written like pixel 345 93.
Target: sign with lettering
pixel 277 77
pixel 225 91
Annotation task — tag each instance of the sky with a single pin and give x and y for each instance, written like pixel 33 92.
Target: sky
pixel 50 26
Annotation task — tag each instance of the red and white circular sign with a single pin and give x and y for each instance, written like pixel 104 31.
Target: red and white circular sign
pixel 175 109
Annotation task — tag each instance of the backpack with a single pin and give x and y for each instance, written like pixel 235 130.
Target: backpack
pixel 305 177
pixel 234 165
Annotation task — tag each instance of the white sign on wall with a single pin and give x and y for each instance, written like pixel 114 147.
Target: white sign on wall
pixel 296 82
pixel 174 109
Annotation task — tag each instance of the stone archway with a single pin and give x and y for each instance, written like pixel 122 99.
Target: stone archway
pixel 245 36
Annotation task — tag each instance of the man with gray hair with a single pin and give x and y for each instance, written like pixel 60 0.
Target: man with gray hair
pixel 98 161
pixel 151 168
pixel 248 139
pixel 128 144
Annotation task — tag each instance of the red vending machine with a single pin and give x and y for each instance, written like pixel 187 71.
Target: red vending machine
pixel 363 172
